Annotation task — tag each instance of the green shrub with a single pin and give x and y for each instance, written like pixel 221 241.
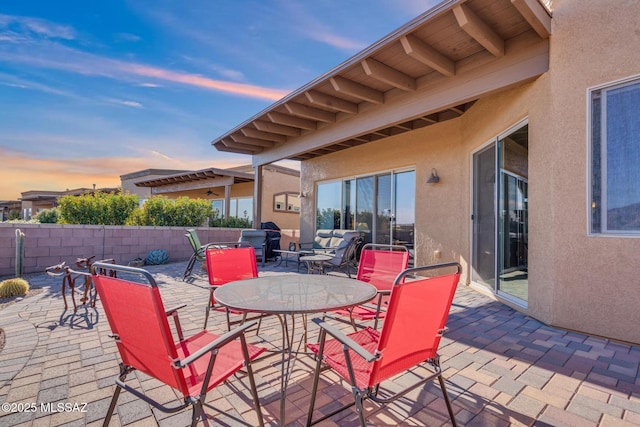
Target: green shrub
pixel 33 220
pixel 48 216
pixel 159 211
pixel 231 222
pixel 98 208
pixel 13 287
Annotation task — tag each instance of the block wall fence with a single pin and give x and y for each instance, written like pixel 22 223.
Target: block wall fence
pixel 49 244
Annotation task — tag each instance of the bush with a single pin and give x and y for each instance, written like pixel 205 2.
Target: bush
pixel 181 212
pixel 13 287
pixel 97 208
pixel 157 257
pixel 48 216
pixel 33 220
pixel 231 222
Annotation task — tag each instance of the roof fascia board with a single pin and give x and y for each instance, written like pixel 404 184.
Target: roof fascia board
pixel 521 63
pixel 185 176
pixel 197 185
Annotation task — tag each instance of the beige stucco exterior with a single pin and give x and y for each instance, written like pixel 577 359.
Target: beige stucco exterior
pixel 576 281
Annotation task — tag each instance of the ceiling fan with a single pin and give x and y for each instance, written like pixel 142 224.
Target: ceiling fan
pixel 211 193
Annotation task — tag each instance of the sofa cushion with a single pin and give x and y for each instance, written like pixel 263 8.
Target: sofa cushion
pixel 323 239
pixel 339 236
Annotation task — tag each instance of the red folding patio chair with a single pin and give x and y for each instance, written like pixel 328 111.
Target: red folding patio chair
pixel 228 262
pixel 413 327
pixel 379 265
pixel 192 365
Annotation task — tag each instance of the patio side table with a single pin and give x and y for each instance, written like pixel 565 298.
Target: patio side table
pixel 285 254
pixel 315 263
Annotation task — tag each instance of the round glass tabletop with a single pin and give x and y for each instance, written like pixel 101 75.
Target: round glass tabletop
pixel 294 293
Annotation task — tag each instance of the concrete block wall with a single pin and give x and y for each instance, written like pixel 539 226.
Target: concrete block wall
pixel 49 244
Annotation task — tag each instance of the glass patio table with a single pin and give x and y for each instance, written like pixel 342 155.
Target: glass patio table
pixel 288 295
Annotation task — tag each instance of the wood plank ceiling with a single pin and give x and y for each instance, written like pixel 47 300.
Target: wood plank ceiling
pixel 433 46
pixel 200 175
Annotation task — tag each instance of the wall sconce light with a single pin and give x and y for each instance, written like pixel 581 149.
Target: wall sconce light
pixel 434 177
pixel 302 195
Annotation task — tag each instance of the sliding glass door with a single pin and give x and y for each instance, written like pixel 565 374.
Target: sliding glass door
pixel 499 247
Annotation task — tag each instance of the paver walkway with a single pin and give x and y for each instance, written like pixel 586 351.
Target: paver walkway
pixel 502 368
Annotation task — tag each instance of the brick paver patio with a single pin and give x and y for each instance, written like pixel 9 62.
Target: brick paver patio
pixel 502 368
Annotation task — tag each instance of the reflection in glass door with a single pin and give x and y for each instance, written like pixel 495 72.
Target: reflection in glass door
pixel 513 236
pixel 383 208
pixel 483 265
pixel 500 216
pixel 404 214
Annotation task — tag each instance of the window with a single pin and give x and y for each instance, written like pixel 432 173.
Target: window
pixel 218 208
pixel 615 155
pixel 381 206
pixel 239 207
pixel 286 202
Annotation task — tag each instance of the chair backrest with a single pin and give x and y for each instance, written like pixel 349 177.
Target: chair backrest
pixel 194 240
pixel 346 250
pixel 137 316
pixel 415 320
pixel 255 237
pixel 381 264
pixel 226 263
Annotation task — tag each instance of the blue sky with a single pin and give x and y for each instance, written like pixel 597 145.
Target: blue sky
pixel 92 90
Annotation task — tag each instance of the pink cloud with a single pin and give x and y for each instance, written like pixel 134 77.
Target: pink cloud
pixel 205 82
pixel 22 173
pixel 71 60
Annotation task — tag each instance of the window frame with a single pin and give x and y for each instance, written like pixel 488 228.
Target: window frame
pixel 603 231
pixel 354 209
pixel 286 194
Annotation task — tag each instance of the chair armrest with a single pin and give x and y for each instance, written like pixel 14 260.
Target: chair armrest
pixel 215 344
pixel 324 250
pixel 172 310
pixel 309 244
pixel 337 334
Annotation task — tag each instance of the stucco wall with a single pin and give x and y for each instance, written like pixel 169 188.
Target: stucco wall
pixel 49 244
pixel 576 281
pixel 596 280
pixel 277 182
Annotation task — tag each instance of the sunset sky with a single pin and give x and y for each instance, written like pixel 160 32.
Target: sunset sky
pixel 93 90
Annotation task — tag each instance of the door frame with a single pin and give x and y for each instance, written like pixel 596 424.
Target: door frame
pixel 496 244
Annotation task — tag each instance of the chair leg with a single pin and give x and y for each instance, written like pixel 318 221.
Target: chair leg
pixel 254 393
pixel 112 407
pixel 359 407
pixel 447 401
pixel 206 316
pixel 316 379
pixel 197 411
pixel 187 271
pixel 124 371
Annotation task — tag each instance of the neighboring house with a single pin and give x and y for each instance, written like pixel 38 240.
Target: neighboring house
pixel 502 134
pixel 231 191
pixel 8 207
pixel 34 201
